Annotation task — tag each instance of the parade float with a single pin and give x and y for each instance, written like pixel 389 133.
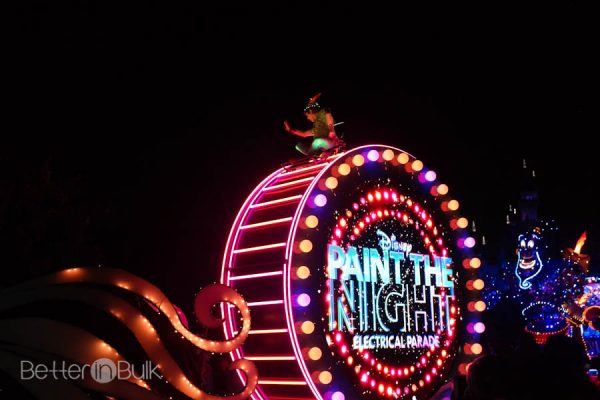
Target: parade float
pixel 361 277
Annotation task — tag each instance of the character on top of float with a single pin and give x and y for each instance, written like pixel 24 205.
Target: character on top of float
pixel 322 131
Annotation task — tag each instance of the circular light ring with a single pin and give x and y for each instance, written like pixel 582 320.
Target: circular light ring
pixel 272 290
pixel 379 199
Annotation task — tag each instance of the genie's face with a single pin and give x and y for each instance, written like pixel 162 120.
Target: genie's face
pixel 529 263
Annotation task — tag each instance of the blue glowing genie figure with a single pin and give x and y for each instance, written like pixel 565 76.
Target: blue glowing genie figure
pixel 529 263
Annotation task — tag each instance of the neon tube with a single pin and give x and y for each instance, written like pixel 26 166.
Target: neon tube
pixel 232 239
pixel 265 303
pixel 259 248
pixel 275 202
pixel 267 331
pixel 260 303
pixel 290 183
pixel 280 382
pixel 297 171
pixel 270 358
pixel 287 285
pixel 267 223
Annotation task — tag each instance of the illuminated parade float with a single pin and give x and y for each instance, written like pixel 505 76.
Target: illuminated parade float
pixel 361 278
pixel 349 276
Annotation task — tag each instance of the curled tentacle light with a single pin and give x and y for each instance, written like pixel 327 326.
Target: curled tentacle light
pixel 110 291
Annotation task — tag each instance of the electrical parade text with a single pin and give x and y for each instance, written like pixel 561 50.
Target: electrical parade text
pixel 389 298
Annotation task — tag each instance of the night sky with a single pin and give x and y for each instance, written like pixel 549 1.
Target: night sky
pixel 136 131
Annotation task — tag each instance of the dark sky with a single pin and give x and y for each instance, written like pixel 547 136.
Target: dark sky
pixel 137 130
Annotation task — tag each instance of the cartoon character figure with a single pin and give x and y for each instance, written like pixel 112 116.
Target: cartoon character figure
pixel 529 262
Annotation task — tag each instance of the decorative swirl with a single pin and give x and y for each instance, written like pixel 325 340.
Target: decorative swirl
pixel 140 287
pixel 215 294
pixel 67 286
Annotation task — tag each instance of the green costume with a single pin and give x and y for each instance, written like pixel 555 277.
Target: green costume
pixel 320 127
pixel 321 130
pixel 321 141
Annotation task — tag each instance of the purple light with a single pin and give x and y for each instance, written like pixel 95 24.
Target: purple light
pixel 304 300
pixel 373 155
pixel 320 200
pixel 469 242
pixel 479 327
pixel 430 176
pixel 338 396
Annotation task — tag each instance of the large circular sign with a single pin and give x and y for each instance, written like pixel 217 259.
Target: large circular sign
pixel 380 291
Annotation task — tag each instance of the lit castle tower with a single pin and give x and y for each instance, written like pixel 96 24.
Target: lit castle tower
pixel 526 213
pixel 529 201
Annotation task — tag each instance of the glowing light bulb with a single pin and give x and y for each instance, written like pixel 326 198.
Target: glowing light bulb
pixel 476 348
pixel 358 160
pixel 344 169
pixel 315 353
pixel 388 155
pixel 442 189
pixel 311 221
pixel 462 223
pixel 403 158
pixel 303 272
pixel 478 284
pixel 331 182
pixel 430 176
pixel 480 306
pixel 325 377
pixel 373 155
pixel 453 205
pixel 338 396
pixel 303 300
pixel 417 165
pixel 307 327
pixel 306 246
pixel 475 263
pixel 479 327
pixel 320 200
pixel 469 242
